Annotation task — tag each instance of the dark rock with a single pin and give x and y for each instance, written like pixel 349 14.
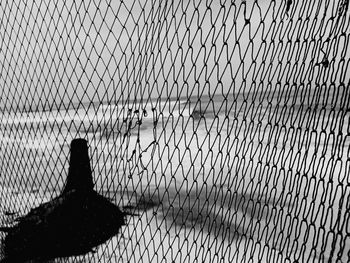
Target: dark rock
pixel 74 223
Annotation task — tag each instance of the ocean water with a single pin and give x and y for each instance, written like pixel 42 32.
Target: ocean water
pixel 215 179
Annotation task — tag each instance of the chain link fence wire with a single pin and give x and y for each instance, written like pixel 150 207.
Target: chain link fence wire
pixel 224 124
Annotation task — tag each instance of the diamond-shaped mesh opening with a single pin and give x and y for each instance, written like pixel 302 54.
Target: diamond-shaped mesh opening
pixel 224 125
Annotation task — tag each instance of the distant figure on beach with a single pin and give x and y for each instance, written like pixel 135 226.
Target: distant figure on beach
pixel 196 114
pixel 74 223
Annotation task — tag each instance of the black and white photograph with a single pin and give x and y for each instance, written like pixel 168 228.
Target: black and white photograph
pixel 174 131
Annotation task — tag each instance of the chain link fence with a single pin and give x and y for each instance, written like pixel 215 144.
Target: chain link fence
pixel 224 124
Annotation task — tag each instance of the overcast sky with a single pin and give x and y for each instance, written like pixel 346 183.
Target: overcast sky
pixel 54 52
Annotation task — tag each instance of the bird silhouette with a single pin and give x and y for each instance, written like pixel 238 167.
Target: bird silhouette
pixel 74 223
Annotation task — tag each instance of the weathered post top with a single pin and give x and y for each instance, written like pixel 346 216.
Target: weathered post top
pixel 79 173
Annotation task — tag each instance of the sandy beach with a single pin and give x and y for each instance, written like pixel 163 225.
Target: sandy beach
pixel 209 186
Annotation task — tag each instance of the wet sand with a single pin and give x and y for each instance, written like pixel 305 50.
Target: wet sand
pixel 253 182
